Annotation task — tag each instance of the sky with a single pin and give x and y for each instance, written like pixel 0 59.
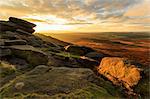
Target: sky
pixel 80 15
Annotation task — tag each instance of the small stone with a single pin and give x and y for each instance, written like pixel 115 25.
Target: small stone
pixel 19 85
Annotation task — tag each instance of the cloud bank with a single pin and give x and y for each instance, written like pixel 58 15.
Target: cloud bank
pixel 80 12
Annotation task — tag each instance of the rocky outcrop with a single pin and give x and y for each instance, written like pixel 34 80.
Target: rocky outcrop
pixel 78 50
pixel 14 23
pixel 21 22
pixel 120 71
pixel 17 41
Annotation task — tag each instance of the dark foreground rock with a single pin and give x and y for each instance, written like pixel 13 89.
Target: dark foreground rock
pixel 13 42
pixel 143 86
pixel 44 82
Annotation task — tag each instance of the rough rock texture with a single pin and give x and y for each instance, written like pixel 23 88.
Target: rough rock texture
pixel 4 51
pixel 6 69
pixel 10 26
pixel 120 70
pixel 78 50
pixel 21 22
pixel 22 32
pixel 45 82
pixel 87 62
pixel 10 36
pixel 13 42
pixel 29 53
pixel 7 72
pixel 6 27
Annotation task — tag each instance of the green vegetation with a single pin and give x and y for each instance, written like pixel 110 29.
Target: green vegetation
pixel 90 92
pixel 73 83
pixel 6 69
pixel 65 54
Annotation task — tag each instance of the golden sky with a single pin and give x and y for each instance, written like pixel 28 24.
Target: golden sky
pixel 80 15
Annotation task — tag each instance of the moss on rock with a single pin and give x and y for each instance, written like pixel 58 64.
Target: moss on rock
pixel 56 82
pixel 6 69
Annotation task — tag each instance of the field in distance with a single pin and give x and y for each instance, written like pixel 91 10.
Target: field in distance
pixel 133 45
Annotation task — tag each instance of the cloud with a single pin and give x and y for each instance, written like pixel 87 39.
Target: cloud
pixel 80 12
pixel 81 23
pixel 70 8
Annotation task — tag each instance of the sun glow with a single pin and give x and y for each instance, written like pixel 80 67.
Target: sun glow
pixel 52 27
pixel 49 23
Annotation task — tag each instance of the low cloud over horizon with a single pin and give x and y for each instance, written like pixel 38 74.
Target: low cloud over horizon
pixel 81 15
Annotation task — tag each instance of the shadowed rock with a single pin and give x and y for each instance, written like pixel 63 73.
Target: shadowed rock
pixel 8 35
pixel 78 50
pixel 9 26
pixel 144 84
pixel 96 55
pixel 14 42
pixel 21 22
pixel 86 62
pixel 30 54
pixel 6 27
pixel 4 52
pixel 23 32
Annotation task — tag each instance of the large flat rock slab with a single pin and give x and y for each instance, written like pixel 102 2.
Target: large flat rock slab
pixel 21 22
pixel 56 82
pixel 29 53
pixel 13 42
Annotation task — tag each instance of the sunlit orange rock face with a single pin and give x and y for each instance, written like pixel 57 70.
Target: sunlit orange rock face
pixel 120 71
